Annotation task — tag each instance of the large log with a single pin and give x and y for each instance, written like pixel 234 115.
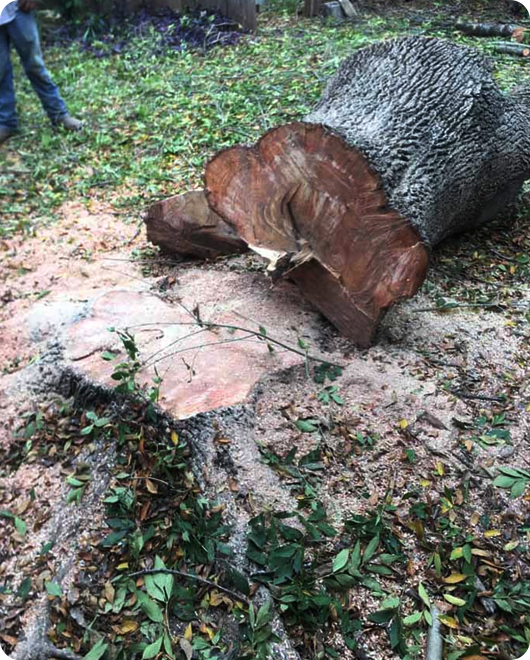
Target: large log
pixel 411 141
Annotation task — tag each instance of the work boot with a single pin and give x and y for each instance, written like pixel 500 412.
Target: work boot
pixel 70 123
pixel 5 133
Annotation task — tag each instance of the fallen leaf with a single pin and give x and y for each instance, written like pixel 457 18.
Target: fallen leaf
pixel 454 578
pixel 449 621
pixel 128 626
pixel 151 487
pixel 490 533
pixel 186 647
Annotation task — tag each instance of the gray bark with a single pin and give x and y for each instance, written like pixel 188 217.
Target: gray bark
pixel 510 48
pixel 450 147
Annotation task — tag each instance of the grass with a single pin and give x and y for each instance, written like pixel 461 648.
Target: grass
pixel 153 120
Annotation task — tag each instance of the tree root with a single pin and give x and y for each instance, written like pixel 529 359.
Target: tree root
pixel 37 646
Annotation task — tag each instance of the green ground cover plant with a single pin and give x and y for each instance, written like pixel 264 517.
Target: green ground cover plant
pixel 154 118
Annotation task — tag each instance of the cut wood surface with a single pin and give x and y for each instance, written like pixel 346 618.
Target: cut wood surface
pixel 391 160
pixel 491 30
pixel 305 199
pixel 186 225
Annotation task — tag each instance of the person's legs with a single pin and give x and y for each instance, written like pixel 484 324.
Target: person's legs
pixel 25 37
pixel 8 114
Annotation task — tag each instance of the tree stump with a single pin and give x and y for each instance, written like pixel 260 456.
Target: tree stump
pixel 411 141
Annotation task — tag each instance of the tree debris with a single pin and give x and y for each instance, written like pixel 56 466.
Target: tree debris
pixel 504 48
pixel 515 32
pixel 186 225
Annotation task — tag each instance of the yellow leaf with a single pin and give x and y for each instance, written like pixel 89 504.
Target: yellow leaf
pixel 174 438
pixel 454 578
pixel 449 621
pixel 425 483
pixel 122 567
pixel 511 546
pixel 188 635
pixel 440 468
pixel 403 423
pixel 216 599
pixel 490 533
pixel 109 592
pixel 128 626
pixel 207 631
pixel 454 600
pixel 151 487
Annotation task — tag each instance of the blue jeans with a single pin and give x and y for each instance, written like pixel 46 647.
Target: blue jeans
pixel 23 33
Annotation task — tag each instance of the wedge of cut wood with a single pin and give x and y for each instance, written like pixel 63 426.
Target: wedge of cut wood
pixel 186 225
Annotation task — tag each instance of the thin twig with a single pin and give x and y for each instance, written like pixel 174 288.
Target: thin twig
pixel 212 326
pixel 188 576
pixel 477 397
pixel 503 256
pixel 136 234
pixel 448 308
pixel 197 347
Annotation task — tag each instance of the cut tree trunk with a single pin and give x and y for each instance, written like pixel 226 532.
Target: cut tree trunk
pixel 491 30
pixel 185 225
pixel 412 141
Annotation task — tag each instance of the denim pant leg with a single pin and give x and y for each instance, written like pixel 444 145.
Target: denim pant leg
pixel 8 113
pixel 25 37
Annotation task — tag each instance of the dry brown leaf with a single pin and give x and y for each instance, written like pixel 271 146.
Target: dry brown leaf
pixel 151 487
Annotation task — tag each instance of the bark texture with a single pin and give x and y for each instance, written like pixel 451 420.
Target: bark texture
pixel 508 48
pixel 449 146
pixel 185 225
pixel 491 30
pixel 411 141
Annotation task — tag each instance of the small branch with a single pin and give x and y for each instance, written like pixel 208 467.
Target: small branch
pixel 448 308
pixel 434 638
pixel 503 256
pixel 477 397
pixel 207 325
pixel 188 576
pixel 519 50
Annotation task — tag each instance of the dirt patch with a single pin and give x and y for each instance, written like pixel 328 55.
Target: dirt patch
pixel 425 417
pixel 66 261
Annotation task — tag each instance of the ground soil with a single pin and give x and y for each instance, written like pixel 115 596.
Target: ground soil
pixel 423 386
